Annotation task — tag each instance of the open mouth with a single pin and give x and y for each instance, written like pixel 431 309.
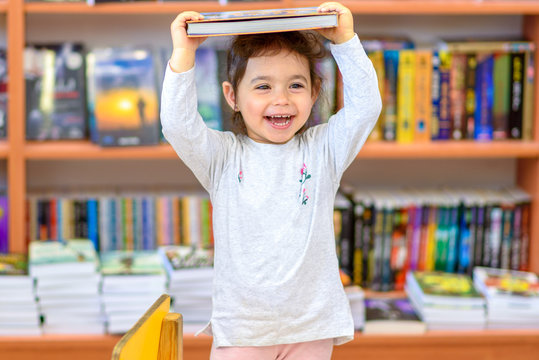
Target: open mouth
pixel 280 121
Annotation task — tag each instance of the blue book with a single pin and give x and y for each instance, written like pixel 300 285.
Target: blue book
pixel 93 233
pixel 484 89
pixel 391 63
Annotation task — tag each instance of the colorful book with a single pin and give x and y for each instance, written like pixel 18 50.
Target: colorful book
pixel 125 102
pixel 260 21
pixel 391 316
pixel 406 96
pixel 422 90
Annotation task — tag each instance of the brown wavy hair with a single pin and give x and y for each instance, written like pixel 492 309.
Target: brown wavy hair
pixel 244 47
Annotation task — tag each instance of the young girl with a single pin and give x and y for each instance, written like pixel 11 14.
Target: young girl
pixel 277 291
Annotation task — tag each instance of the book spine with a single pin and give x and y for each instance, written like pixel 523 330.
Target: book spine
pixel 516 239
pixel 457 96
pixel 399 242
pixel 391 62
pixel 423 102
pixel 525 238
pixel 452 243
pixel 358 265
pixel 4 224
pixel 507 236
pixel 517 78
pixel 377 59
pixel 529 102
pixel 386 274
pixel 470 95
pixel 93 231
pixel 376 283
pixel 484 99
pixel 495 240
pixel 500 107
pixel 405 97
pixel 444 117
pixel 435 97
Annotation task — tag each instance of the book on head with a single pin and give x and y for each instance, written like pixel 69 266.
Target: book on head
pixel 260 21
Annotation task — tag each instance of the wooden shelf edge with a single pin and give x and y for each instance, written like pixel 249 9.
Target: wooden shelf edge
pixel 502 7
pixel 450 149
pixel 64 150
pixel 84 150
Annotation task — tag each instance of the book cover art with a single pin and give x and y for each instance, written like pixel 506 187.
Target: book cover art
pixel 445 284
pixel 13 265
pixel 389 309
pixel 55 92
pixel 186 257
pixel 208 87
pixel 131 263
pixel 54 252
pixel 126 102
pixel 503 282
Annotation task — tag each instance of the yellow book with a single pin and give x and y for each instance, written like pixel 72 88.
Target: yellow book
pixel 377 59
pixel 405 97
pixel 431 239
pixel 142 340
pixel 423 102
pixel 186 221
pixel 128 223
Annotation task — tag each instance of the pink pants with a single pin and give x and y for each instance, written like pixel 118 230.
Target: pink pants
pixel 311 350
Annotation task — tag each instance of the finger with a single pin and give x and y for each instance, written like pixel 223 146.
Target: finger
pixel 185 16
pixel 332 6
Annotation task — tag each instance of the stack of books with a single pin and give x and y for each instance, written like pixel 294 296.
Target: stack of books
pixel 132 281
pixel 67 286
pixel 512 297
pixel 356 296
pixel 190 280
pixel 19 314
pixel 446 301
pixel 388 315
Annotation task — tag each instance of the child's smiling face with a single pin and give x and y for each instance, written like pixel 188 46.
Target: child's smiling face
pixel 275 96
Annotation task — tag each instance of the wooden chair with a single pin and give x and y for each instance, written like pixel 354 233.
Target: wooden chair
pixel 158 334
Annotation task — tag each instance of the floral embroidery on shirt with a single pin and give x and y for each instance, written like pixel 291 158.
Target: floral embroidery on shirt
pixel 240 176
pixel 303 191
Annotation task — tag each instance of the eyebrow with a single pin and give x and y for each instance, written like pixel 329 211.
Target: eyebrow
pixel 266 78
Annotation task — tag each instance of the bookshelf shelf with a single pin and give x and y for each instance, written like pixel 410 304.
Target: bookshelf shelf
pixel 451 149
pixel 477 345
pixel 56 150
pixel 469 7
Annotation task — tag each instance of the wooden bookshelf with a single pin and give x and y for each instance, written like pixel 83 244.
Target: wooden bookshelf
pixel 440 345
pixel 16 151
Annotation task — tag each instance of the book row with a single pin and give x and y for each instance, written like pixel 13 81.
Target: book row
pixel 111 95
pixel 476 90
pixel 381 235
pixel 454 90
pixel 129 222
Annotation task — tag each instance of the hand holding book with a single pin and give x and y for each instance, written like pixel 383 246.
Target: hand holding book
pixel 345 27
pixel 184 47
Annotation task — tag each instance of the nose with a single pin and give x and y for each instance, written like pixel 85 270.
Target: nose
pixel 280 97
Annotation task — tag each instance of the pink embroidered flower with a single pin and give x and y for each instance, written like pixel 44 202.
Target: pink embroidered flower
pixel 240 176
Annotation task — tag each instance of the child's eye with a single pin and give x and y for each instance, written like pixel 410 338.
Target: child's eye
pixel 297 86
pixel 262 87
